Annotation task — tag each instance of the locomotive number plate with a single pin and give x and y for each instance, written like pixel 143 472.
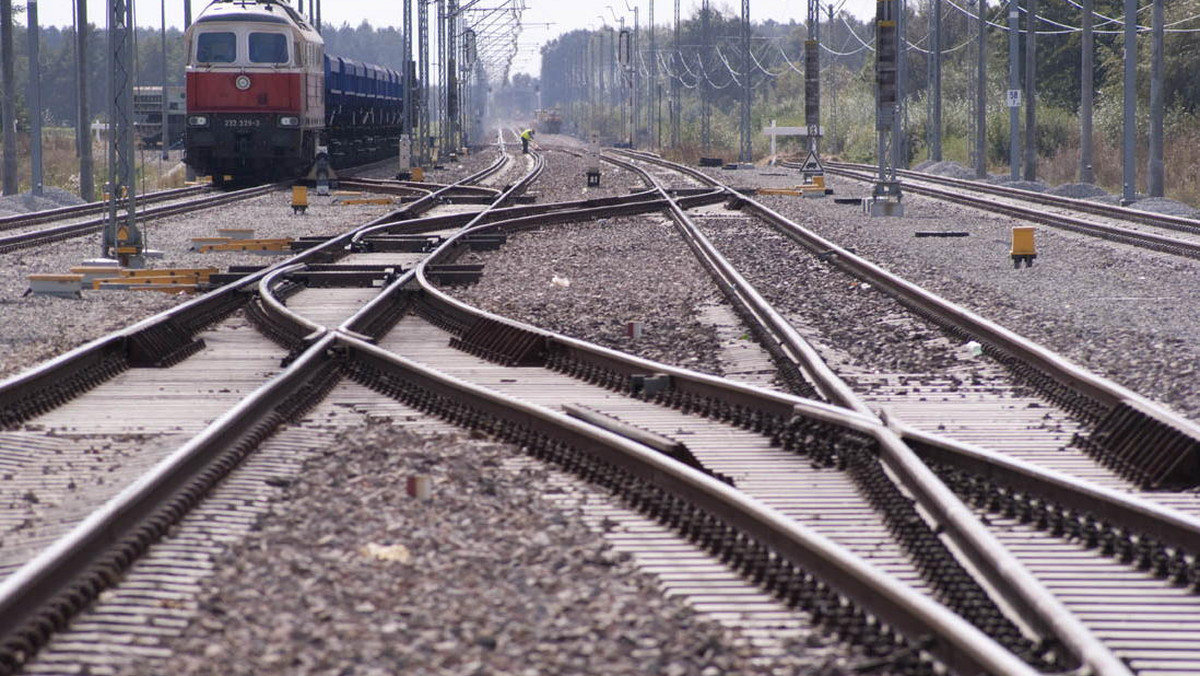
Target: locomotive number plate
pixel 242 123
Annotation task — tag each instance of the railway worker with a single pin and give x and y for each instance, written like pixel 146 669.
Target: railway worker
pixel 526 139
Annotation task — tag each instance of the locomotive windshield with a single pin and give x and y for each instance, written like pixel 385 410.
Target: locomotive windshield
pixel 268 48
pixel 216 48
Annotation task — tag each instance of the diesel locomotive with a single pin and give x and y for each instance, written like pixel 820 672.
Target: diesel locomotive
pixel 265 102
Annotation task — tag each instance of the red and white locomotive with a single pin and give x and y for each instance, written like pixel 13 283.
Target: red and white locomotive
pixel 264 100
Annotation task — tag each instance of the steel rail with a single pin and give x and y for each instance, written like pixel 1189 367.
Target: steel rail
pixel 72 230
pixel 384 185
pixel 1004 574
pixel 1165 221
pixel 953 514
pixel 1116 409
pixel 962 647
pixel 42 595
pixel 38 217
pixel 780 335
pixel 1145 240
pixel 54 382
pixel 1129 513
pixel 1140 438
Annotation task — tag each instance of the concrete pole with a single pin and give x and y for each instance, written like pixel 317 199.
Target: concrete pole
pixel 83 132
pixel 675 86
pixel 705 90
pixel 744 154
pixel 35 99
pixel 900 130
pixel 187 14
pixel 1155 177
pixel 1014 85
pixel 9 117
pixel 1087 92
pixel 1129 168
pixel 935 74
pixel 407 121
pixel 981 95
pixel 655 110
pixel 1031 91
pixel 166 109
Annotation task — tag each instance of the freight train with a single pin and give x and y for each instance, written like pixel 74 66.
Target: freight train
pixel 264 101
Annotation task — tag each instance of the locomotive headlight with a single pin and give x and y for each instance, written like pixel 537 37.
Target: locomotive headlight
pixel 242 82
pixel 197 121
pixel 289 121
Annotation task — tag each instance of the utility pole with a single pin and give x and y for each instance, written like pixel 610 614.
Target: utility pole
pixel 935 74
pixel 886 195
pixel 636 75
pixel 812 80
pixel 900 133
pixel 9 117
pixel 187 14
pixel 1031 91
pixel 166 125
pixel 1014 89
pixel 653 88
pixel 981 94
pixel 1155 178
pixel 423 97
pixel 834 146
pixel 83 131
pixel 121 239
pixel 35 98
pixel 406 122
pixel 744 154
pixel 451 69
pixel 1129 168
pixel 1087 91
pixel 705 92
pixel 676 113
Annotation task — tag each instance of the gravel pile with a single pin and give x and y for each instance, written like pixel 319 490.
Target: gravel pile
pixel 1169 207
pixel 51 198
pixel 349 576
pixel 1079 191
pixel 1032 186
pixel 947 168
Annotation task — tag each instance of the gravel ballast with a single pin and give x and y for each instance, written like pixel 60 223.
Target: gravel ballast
pixel 488 577
pixel 1125 313
pixel 36 328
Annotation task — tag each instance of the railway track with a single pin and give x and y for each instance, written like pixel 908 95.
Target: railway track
pixel 1096 591
pixel 301 379
pixel 20 221
pixel 1157 232
pixel 325 308
pixel 83 228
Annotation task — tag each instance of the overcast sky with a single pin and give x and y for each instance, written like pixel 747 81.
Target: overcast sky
pixel 542 20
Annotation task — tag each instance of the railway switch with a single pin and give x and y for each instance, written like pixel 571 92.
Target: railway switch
pixel 1023 248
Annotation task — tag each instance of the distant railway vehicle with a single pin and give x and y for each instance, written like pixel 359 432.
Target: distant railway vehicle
pixel 548 121
pixel 148 112
pixel 265 102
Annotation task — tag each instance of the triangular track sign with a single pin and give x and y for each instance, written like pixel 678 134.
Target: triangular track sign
pixel 812 165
